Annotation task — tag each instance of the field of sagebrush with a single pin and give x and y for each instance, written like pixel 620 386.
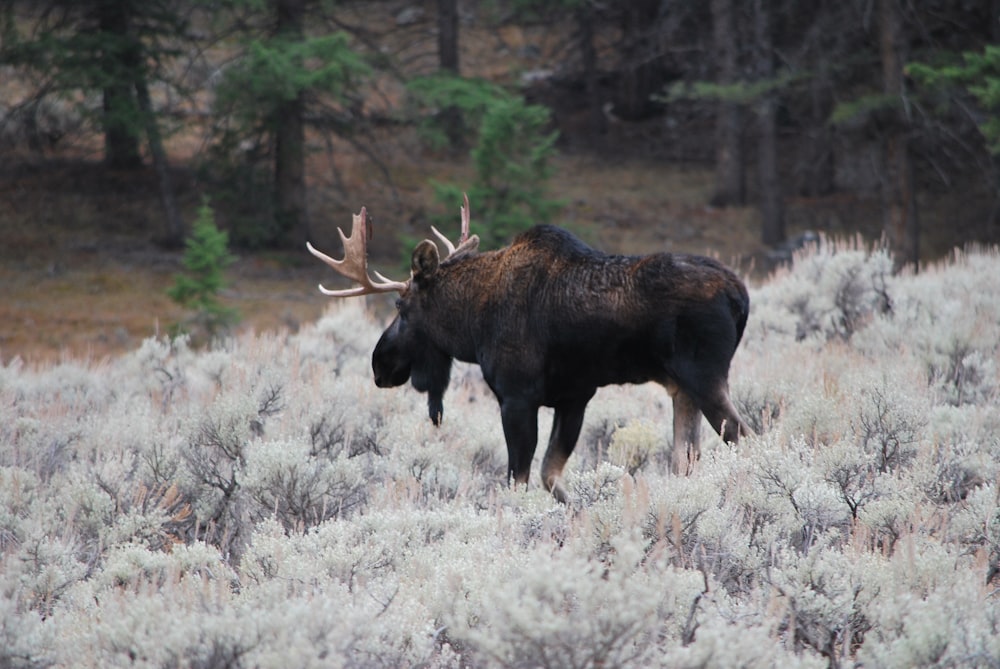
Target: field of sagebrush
pixel 262 504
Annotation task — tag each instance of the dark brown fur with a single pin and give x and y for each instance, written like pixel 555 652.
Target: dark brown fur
pixel 549 320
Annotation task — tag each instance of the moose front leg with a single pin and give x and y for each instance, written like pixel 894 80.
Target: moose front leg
pixel 687 432
pixel 566 424
pixel 520 431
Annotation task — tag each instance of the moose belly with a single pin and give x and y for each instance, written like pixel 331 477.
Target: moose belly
pixel 576 368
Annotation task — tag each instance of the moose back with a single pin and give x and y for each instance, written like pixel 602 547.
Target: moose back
pixel 549 320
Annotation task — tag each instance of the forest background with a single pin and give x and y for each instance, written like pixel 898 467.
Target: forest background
pixel 259 503
pixel 732 127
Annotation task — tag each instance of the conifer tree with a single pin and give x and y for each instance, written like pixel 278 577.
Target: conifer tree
pixel 264 99
pixel 206 258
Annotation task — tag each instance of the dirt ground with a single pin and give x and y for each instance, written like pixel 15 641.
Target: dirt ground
pixel 81 273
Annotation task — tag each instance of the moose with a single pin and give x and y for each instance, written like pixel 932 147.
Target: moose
pixel 549 319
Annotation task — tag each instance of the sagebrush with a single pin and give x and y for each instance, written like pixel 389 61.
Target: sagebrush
pixel 262 504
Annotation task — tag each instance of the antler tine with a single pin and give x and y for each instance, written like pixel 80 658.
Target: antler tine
pixel 465 242
pixel 354 266
pixel 465 219
pixel 444 240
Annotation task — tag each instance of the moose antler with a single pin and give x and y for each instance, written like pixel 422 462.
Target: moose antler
pixel 465 242
pixel 354 266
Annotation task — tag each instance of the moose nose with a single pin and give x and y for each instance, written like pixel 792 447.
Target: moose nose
pixel 390 377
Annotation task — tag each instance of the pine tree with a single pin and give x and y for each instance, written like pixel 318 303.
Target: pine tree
pixel 205 259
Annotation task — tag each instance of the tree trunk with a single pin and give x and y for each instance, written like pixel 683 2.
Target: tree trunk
pixel 175 225
pixel 995 20
pixel 588 54
pixel 121 61
pixel 290 141
pixel 448 60
pixel 448 35
pixel 899 207
pixel 730 179
pixel 772 206
pixel 816 165
pixel 638 80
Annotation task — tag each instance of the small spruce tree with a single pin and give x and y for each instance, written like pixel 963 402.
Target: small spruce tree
pixel 206 257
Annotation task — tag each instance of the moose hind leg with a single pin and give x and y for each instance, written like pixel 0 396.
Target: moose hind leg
pixel 724 418
pixel 566 424
pixel 687 432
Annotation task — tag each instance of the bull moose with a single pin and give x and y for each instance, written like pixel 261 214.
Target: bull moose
pixel 549 320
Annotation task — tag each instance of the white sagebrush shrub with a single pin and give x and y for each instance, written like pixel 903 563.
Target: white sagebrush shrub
pixel 946 317
pixel 977 523
pixel 342 340
pixel 301 488
pixel 830 292
pixel 719 529
pixel 736 638
pixel 608 412
pixel 20 492
pixel 133 566
pixel 43 442
pixel 331 627
pixel 175 507
pixel 562 609
pixel 634 445
pixel 46 567
pixel 790 500
pixel 950 620
pixel 160 365
pixel 683 513
pixel 182 621
pixel 26 642
pixel 341 552
pixel 821 593
pixel 890 417
pixel 390 563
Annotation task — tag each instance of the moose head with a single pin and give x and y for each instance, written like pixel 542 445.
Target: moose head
pixel 404 352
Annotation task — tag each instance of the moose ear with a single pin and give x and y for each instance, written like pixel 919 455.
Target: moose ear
pixel 470 245
pixel 425 261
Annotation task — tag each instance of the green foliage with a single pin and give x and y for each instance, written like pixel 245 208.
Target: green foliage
pixel 740 92
pixel 249 104
pixel 206 258
pixel 979 75
pixel 471 97
pixel 860 109
pixel 276 70
pixel 511 155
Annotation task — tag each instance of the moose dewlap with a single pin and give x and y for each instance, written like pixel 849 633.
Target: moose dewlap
pixel 549 320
